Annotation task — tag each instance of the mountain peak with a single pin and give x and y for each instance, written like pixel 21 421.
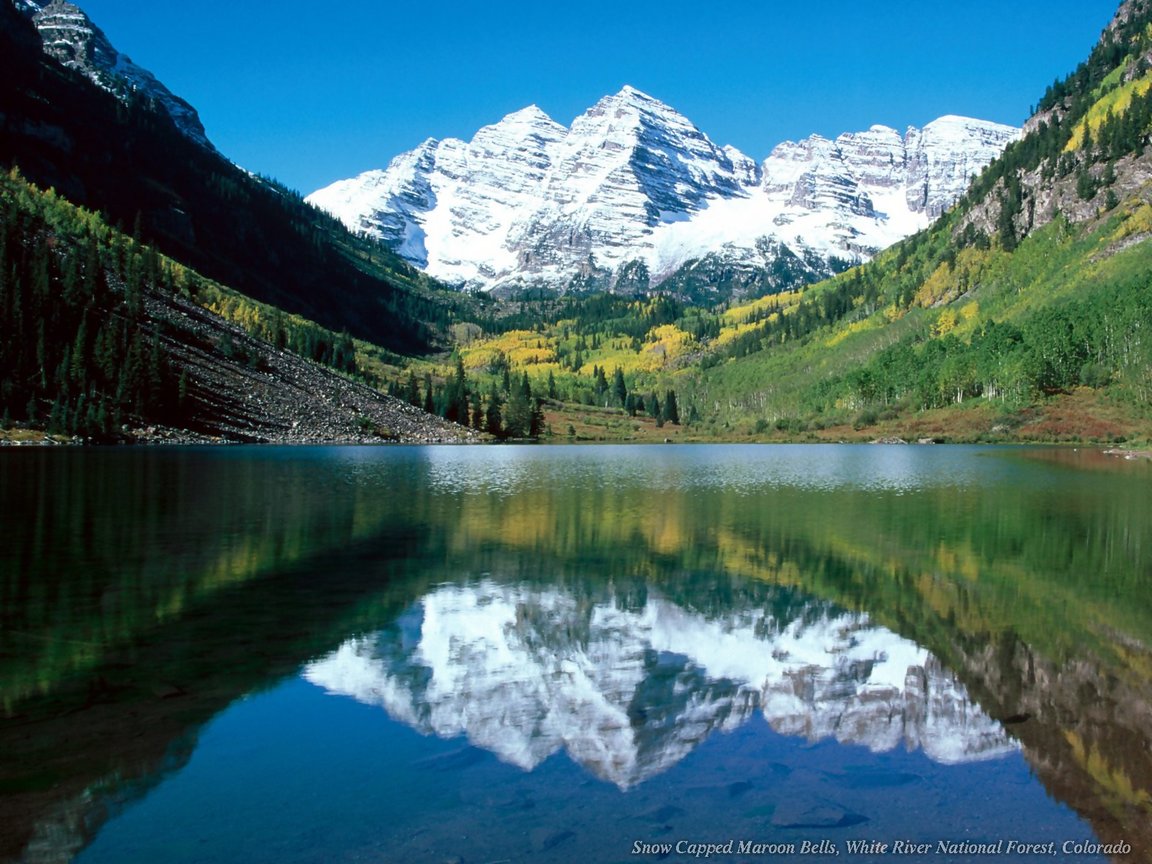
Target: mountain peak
pixel 630 92
pixel 631 97
pixel 628 101
pixel 531 117
pixel 70 37
pixel 530 112
pixel 954 119
pixel 961 121
pixel 529 202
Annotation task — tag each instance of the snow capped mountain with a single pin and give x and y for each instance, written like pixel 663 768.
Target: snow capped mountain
pixel 632 183
pixel 526 672
pixel 70 37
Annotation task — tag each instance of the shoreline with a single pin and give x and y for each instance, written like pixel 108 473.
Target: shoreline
pixel 163 436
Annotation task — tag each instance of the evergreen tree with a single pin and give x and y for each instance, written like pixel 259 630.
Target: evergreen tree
pixel 412 390
pixel 493 420
pixel 599 385
pixel 429 400
pixel 654 410
pixel 537 426
pixel 477 411
pixel 518 412
pixel 456 402
pixel 619 388
pixel 78 371
pixel 1011 205
pixel 1085 185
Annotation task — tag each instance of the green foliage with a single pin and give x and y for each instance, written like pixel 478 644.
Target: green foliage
pixel 950 315
pixel 1100 69
pixel 670 412
pixel 1052 315
pixel 76 349
pixel 130 163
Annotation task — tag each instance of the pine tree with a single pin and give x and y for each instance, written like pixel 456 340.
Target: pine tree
pixel 456 396
pixel 654 407
pixel 477 411
pixel 619 388
pixel 536 426
pixel 429 402
pixel 78 370
pixel 493 421
pixel 1085 185
pixel 518 413
pixel 1011 204
pixel 412 390
pixel 600 384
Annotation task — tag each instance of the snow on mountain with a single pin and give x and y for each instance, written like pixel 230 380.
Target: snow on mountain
pixel 529 202
pixel 526 672
pixel 70 37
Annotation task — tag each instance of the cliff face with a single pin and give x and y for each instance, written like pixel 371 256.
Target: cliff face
pixel 1084 151
pixel 70 37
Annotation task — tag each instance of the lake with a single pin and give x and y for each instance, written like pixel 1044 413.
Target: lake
pixel 554 654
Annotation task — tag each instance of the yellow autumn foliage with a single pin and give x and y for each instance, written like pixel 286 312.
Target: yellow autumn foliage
pixel 1139 221
pixel 1114 103
pixel 1111 778
pixel 521 347
pixel 855 327
pixel 728 333
pixel 745 311
pixel 940 286
pixel 945 322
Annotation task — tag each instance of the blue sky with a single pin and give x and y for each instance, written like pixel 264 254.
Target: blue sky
pixel 311 92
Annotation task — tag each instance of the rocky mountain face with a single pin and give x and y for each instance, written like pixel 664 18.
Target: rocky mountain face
pixel 1085 149
pixel 71 38
pixel 627 692
pixel 633 194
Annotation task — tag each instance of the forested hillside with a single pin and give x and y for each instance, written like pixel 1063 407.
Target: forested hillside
pixel 129 162
pixel 1037 285
pixel 1022 314
pixel 104 338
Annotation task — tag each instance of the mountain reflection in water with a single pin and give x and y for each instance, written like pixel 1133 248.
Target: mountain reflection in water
pixel 870 627
pixel 526 672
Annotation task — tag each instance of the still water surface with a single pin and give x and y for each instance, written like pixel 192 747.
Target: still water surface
pixel 573 654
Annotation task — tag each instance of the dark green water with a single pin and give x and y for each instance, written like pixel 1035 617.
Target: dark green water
pixel 574 654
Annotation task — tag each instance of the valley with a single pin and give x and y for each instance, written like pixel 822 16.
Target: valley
pixel 559 282
pixel 755 633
